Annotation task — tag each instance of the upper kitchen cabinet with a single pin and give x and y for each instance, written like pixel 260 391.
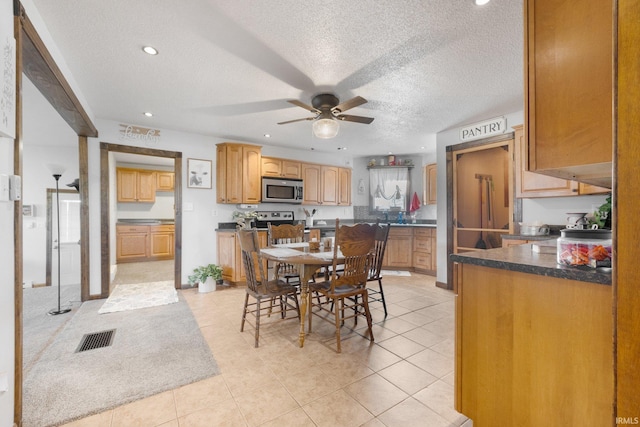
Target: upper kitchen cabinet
pixel 165 181
pixel 568 89
pixel 136 185
pixel 534 185
pixel 326 185
pixel 344 186
pixel 238 173
pixel 282 168
pixel 429 182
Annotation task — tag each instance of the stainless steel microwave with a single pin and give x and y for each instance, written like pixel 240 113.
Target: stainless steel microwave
pixel 277 190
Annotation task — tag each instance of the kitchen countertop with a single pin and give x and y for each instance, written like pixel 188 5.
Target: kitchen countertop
pixel 521 258
pixel 145 221
pixel 331 225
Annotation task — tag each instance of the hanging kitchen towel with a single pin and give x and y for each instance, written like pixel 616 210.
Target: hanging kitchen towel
pixel 415 203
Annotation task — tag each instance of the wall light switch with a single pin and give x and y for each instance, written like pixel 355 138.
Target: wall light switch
pixel 188 206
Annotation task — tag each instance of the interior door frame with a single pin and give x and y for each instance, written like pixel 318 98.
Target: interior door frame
pixel 451 151
pixel 35 61
pixel 105 217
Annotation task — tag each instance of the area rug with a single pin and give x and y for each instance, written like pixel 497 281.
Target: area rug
pixel 140 295
pixel 153 350
pixel 395 273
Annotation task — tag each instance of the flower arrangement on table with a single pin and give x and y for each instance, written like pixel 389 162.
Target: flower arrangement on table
pixel 244 219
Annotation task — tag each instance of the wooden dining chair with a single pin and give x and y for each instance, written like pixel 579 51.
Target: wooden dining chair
pixel 286 233
pixel 375 275
pixel 346 292
pixel 260 288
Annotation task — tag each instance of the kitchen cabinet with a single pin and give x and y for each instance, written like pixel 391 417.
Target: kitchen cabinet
pixel 398 251
pixel 161 242
pixel 520 353
pixel 329 185
pixel 424 250
pixel 136 185
pixel 138 243
pixel 568 89
pixel 230 255
pixel 238 173
pixel 282 168
pixel 311 178
pixel 430 181
pixel 344 186
pixel 534 185
pixel 165 181
pixel 326 185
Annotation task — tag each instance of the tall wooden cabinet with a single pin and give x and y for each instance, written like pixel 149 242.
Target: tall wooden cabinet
pixel 238 173
pixel 569 89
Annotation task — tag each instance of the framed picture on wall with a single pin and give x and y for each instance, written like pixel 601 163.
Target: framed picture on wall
pixel 199 173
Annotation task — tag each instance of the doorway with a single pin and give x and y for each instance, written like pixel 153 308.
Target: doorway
pixel 481 202
pixel 107 210
pixel 68 243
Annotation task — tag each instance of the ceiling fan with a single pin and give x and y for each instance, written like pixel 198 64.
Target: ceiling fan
pixel 328 112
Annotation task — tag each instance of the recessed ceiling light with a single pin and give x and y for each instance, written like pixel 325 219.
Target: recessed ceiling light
pixel 148 114
pixel 390 152
pixel 422 148
pixel 150 50
pixel 266 135
pixel 482 2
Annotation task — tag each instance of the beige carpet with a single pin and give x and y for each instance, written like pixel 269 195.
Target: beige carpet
pixel 140 295
pixel 154 349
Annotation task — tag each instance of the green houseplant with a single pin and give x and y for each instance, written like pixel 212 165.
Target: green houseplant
pixel 206 276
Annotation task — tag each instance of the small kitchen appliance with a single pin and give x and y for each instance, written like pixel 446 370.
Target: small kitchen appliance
pixel 280 190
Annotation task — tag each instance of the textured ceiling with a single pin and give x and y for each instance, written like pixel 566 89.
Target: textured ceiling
pixel 226 68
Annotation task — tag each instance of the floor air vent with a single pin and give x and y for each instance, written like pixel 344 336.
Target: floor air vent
pixel 96 340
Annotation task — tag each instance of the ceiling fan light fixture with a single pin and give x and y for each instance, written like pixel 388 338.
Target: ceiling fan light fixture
pixel 325 128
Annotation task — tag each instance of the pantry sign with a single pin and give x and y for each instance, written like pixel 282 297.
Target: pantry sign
pixel 484 129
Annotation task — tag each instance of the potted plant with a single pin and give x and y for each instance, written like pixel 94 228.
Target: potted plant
pixel 206 276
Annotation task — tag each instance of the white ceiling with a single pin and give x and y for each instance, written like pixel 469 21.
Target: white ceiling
pixel 227 67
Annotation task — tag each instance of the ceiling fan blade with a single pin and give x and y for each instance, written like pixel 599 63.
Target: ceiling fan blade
pixel 347 105
pixel 357 119
pixel 303 105
pixel 296 120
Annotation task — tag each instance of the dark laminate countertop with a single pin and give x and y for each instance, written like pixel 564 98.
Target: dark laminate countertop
pixel 521 258
pixel 331 225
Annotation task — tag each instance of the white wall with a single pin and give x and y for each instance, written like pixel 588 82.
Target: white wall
pixel 7 278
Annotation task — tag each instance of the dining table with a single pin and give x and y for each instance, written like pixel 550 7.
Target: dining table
pixel 308 261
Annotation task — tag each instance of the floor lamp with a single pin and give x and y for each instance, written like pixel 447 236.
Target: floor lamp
pixel 56 175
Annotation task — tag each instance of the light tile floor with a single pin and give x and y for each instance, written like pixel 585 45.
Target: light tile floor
pixel 404 379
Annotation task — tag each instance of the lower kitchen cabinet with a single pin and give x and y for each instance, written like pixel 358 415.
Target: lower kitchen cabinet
pixel 230 255
pixel 411 248
pixel 424 250
pixel 139 243
pixel 161 242
pixel 398 251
